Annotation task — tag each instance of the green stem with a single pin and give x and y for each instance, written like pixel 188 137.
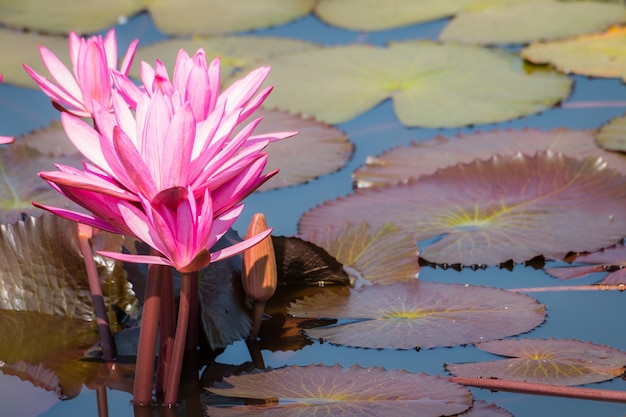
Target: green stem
pixel 104 330
pixel 144 370
pixel 543 389
pixel 180 340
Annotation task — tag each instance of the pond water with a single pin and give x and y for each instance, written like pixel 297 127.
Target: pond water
pixel 587 316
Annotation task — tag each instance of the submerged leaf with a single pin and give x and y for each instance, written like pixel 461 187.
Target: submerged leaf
pixel 489 212
pixel 317 390
pixel 338 83
pixel 210 17
pixel 384 255
pixel 552 361
pixel 408 315
pixel 596 55
pixel 523 21
pixel 21 397
pixel 424 158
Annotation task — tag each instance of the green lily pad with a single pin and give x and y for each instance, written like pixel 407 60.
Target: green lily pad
pixel 409 315
pixel 551 361
pixel 211 17
pixel 235 52
pixel 523 21
pixel 384 255
pixel 317 390
pixel 426 157
pixel 370 15
pixel 488 212
pixel 82 16
pixel 431 84
pixel 596 55
pixel 612 136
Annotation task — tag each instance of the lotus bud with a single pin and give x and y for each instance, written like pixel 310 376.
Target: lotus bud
pixel 259 274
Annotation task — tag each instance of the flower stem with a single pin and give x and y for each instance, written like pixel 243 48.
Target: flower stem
pixel 193 330
pixel 543 389
pixel 258 309
pixel 180 340
pixel 144 370
pixel 592 287
pixel 167 328
pixel 85 233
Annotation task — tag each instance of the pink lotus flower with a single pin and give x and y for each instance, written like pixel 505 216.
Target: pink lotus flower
pixel 92 61
pixel 5 139
pixel 173 172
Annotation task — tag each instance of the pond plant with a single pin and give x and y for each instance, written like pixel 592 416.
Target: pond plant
pixel 151 183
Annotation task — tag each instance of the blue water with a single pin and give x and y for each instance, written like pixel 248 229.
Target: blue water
pixel 588 316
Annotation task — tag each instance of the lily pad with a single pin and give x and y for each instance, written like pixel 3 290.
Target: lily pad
pixel 317 390
pixel 51 140
pixel 211 17
pixel 488 212
pixel 424 158
pixel 316 150
pixel 611 260
pixel 25 50
pixel 409 315
pixel 42 270
pixel 384 255
pixel 596 55
pixel 21 397
pixel 370 15
pixel 235 52
pixel 483 409
pixel 83 16
pixel 612 136
pixel 551 361
pixel 338 83
pixel 523 21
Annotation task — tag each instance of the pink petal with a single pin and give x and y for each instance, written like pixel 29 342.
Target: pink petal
pixel 139 259
pixel 80 218
pixel 239 247
pixel 60 73
pixel 128 57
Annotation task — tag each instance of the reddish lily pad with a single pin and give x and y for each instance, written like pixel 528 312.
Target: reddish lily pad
pixel 612 260
pixel 384 255
pixel 595 55
pixel 489 212
pixel 210 17
pixel 483 409
pixel 409 315
pixel 612 136
pixel 51 140
pixel 336 84
pixel 316 150
pixel 424 158
pixel 551 361
pixel 317 390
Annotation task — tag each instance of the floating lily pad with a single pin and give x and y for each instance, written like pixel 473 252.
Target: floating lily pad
pixel 370 15
pixel 336 84
pixel 316 150
pixel 483 409
pixel 83 16
pixel 424 158
pixel 611 260
pixel 596 55
pixel 211 17
pixel 409 315
pixel 235 52
pixel 51 140
pixel 42 270
pixel 384 255
pixel 24 49
pixel 552 361
pixel 612 136
pixel 523 21
pixel 317 390
pixel 488 212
